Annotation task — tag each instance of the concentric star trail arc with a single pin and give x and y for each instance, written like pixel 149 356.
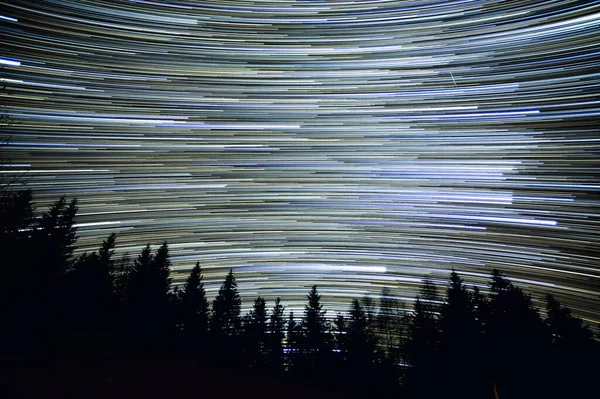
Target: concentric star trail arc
pixel 350 144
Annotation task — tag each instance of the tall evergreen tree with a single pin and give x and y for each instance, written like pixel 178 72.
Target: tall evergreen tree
pixel 572 352
pixel 90 286
pixel 149 278
pixel 275 338
pixel 257 333
pixel 195 303
pixel 293 344
pixel 316 342
pixel 226 308
pixel 194 306
pixel 460 343
pixel 370 309
pixel 340 327
pixel 58 235
pixel 516 339
pixel 391 325
pixel 314 324
pixel 54 240
pixel 359 344
pixel 106 252
pixel 360 351
pixel 422 347
pixel 148 298
pixel 92 279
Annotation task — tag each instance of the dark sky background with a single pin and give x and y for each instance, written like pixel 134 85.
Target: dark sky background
pixel 348 144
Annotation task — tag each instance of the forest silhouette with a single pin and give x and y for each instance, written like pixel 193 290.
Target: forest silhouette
pixel 95 326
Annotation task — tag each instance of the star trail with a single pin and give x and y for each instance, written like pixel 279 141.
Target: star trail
pixel 350 144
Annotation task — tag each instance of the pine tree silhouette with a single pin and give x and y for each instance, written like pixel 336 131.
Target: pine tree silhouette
pixel 316 342
pixel 54 242
pixel 226 323
pixel 422 347
pixel 461 343
pixel 360 346
pixel 257 327
pixel 573 350
pixel 90 318
pixel 293 344
pixel 58 234
pixel 195 311
pixel 275 339
pixel 314 324
pixel 391 325
pixel 227 307
pixel 516 339
pixel 147 297
pixel 340 327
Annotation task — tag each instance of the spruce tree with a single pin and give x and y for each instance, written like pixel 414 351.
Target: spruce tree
pixel 390 325
pixel 54 240
pixel 92 279
pixel 314 324
pixel 293 342
pixel 226 308
pixel 257 332
pixel 275 338
pixel 359 344
pixel 516 339
pixel 58 235
pixel 573 350
pixel 422 347
pixel 194 306
pixel 147 296
pixel 340 326
pixel 460 342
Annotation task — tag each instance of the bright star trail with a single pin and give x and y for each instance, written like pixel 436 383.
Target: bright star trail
pixel 348 144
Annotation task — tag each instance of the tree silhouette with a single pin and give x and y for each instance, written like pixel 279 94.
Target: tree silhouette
pixel 292 338
pixel 460 343
pixel 314 324
pixel 195 310
pixel 275 338
pixel 340 327
pixel 147 296
pixel 573 351
pixel 391 325
pixel 92 278
pixel 516 339
pixel 422 347
pixel 56 237
pixel 360 343
pixel 48 297
pixel 90 283
pixel 226 309
pixel 257 333
pixel 149 278
pixel 316 342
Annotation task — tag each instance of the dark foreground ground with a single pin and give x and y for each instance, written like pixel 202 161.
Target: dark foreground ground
pixel 152 379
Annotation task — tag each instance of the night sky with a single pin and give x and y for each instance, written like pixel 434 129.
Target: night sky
pixel 348 144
